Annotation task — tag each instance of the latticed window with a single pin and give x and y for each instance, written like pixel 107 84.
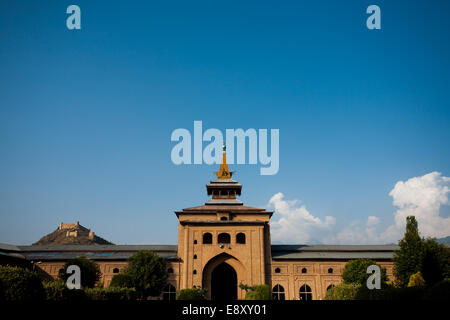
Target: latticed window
pixel 278 293
pixel 240 238
pixel 224 238
pixel 305 292
pixel 169 293
pixel 207 238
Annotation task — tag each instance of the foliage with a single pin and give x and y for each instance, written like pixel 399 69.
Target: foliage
pixel 355 271
pixel 408 259
pixel 148 274
pixel 122 280
pixel 435 261
pixel 57 291
pixel 343 291
pixel 259 292
pixel 416 280
pixel 20 284
pixel 192 294
pixel 111 294
pixel 90 271
pixel 390 293
pixel 2 291
pixel 246 287
pixel 439 291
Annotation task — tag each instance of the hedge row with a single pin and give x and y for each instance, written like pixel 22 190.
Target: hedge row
pixel 56 290
pixel 440 291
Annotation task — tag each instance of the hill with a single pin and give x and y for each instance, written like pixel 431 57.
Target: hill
pixel 71 233
pixel 444 240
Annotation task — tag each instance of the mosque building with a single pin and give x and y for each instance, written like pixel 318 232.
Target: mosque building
pixel 221 244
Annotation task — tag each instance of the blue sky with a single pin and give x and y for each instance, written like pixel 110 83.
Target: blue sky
pixel 86 116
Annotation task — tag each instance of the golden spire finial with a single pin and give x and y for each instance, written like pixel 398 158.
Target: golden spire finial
pixel 224 172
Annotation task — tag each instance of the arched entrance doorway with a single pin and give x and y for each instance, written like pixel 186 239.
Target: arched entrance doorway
pixel 223 283
pixel 220 277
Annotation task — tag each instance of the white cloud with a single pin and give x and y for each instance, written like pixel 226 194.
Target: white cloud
pixel 419 196
pixel 372 221
pixel 295 223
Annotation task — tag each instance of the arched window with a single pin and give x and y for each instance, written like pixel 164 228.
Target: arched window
pixel 304 270
pixel 277 270
pixel 223 238
pixel 170 270
pixel 116 270
pixel 305 292
pixel 195 256
pixel 330 286
pixel 207 238
pixel 169 293
pixel 223 218
pixel 330 270
pixel 278 293
pixel 195 241
pixel 195 271
pixel 240 238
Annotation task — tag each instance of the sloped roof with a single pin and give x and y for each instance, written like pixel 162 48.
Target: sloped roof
pixel 333 252
pixel 232 208
pixel 97 252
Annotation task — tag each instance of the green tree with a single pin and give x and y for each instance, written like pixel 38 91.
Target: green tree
pixel 90 271
pixel 122 280
pixel 408 259
pixel 435 261
pixel 192 294
pixel 259 292
pixel 355 271
pixel 148 274
pixel 20 284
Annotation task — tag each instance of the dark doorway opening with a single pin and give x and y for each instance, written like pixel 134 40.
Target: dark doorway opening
pixel 223 283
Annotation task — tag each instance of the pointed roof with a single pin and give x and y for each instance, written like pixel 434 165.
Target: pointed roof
pixel 224 191
pixel 224 173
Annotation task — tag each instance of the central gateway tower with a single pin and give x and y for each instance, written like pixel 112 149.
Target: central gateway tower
pixel 224 243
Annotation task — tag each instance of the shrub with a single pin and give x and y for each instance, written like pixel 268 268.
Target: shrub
pixel 122 280
pixel 343 291
pixel 57 291
pixel 20 284
pixel 54 290
pixel 391 293
pixel 111 294
pixel 259 292
pixel 439 291
pixel 148 274
pixel 355 271
pixel 90 271
pixel 416 280
pixel 192 294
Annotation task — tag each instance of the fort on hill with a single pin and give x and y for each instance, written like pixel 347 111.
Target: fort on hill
pixel 70 234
